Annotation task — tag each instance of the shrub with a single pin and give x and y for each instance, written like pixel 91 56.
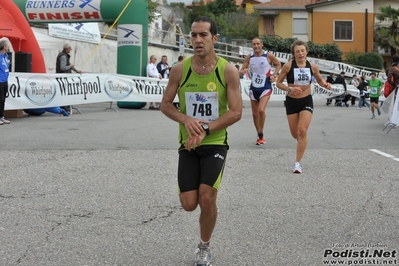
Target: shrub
pixel 371 60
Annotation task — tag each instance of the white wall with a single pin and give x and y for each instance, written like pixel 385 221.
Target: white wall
pixel 103 59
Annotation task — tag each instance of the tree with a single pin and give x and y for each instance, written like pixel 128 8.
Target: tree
pixel 386 34
pixel 220 7
pixel 199 9
pixel 352 57
pixel 329 51
pixel 371 60
pixel 152 6
pixel 239 25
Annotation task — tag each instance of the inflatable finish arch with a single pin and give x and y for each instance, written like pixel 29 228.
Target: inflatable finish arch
pixel 132 43
pixel 26 42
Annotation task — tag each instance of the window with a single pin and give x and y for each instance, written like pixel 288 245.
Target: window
pixel 300 26
pixel 343 30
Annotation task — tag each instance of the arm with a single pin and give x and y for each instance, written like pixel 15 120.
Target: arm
pixel 273 59
pixel 63 63
pixel 244 67
pixel 234 101
pixel 283 74
pixel 77 71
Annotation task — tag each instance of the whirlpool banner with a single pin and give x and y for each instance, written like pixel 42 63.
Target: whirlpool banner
pixel 32 90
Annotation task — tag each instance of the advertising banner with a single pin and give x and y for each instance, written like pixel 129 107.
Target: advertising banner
pixel 61 11
pixel 31 90
pixel 84 32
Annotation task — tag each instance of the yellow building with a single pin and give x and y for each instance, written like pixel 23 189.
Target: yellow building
pixel 247 5
pixel 348 23
pixel 285 19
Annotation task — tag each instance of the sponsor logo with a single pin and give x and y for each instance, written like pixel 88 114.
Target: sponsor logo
pixel 200 98
pixel 77 86
pixel 191 85
pixel 217 155
pixel 117 88
pixel 301 70
pixel 40 90
pixel 309 108
pixel 65 10
pixel 211 86
pixel 129 34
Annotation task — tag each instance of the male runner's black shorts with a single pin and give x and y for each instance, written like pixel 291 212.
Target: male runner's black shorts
pixel 295 106
pixel 374 99
pixel 204 165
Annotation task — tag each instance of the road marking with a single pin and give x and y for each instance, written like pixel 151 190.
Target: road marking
pixel 384 154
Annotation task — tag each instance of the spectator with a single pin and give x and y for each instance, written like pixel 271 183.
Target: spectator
pixel 355 82
pixel 341 80
pixel 4 73
pixel 394 71
pixel 163 67
pixel 362 92
pixel 63 65
pixel 330 79
pixel 179 60
pixel 152 72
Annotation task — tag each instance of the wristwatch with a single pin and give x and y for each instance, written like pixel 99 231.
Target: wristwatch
pixel 206 128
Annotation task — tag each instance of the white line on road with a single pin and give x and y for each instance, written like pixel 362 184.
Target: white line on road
pixel 384 154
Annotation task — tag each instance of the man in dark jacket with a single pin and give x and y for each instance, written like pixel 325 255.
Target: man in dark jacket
pixel 341 80
pixel 63 64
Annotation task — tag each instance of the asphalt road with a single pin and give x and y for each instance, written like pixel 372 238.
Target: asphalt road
pixel 99 188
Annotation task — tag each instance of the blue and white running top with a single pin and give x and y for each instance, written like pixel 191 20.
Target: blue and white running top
pixel 260 70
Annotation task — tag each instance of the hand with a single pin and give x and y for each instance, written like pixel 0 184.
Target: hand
pixel 79 71
pixel 296 91
pixel 194 141
pixel 327 86
pixel 193 127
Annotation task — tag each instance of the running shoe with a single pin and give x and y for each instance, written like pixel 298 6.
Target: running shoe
pixel 5 121
pixel 297 168
pixel 378 111
pixel 373 117
pixel 203 255
pixel 260 141
pixel 1 123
